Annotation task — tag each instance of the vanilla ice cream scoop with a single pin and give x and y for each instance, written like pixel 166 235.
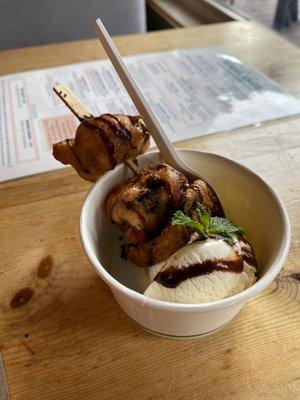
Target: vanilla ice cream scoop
pixel 204 271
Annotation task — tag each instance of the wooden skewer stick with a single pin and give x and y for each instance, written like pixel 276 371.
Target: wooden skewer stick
pixel 81 112
pixel 72 102
pixel 132 165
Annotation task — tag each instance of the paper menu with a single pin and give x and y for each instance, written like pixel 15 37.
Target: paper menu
pixel 193 92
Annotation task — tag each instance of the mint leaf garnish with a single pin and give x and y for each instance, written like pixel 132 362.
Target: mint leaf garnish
pixel 208 226
pixel 203 214
pixel 179 218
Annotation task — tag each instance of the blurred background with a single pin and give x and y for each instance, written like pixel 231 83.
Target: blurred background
pixel 35 22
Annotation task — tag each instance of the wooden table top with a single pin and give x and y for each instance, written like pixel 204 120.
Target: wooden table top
pixel 70 340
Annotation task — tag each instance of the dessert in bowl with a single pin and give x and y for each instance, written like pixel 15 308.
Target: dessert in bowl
pixel 196 309
pixel 187 267
pixel 192 255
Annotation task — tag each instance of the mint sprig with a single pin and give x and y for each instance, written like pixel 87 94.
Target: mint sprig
pixel 208 226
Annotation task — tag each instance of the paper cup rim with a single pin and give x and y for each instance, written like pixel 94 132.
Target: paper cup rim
pixel 198 307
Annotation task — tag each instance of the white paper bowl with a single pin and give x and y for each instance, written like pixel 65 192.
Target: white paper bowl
pixel 247 200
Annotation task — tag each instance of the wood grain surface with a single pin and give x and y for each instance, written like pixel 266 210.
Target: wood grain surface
pixel 62 335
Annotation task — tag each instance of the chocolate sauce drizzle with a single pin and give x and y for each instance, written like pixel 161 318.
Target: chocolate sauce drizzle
pixel 135 120
pixel 148 201
pixel 172 276
pixel 119 129
pixel 248 252
pixel 107 142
